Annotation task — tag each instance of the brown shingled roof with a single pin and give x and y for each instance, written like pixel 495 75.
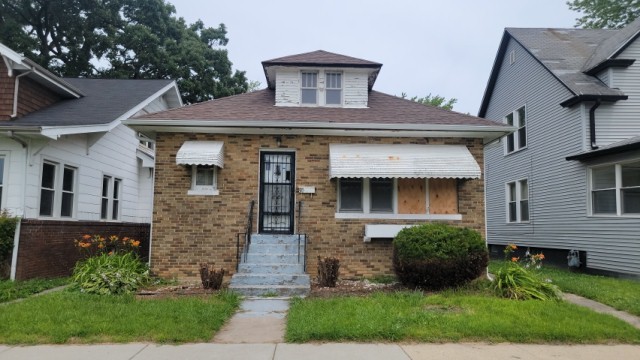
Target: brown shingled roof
pixel 321 58
pixel 259 106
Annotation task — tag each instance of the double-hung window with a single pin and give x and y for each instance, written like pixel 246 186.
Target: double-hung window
pixel 366 195
pixel 309 87
pixel 518 139
pixel 615 189
pixel 333 94
pixel 518 201
pixel 57 198
pixel 110 198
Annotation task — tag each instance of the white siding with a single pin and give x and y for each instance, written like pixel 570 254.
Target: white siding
pixel 14 176
pixel 287 87
pixel 620 120
pixel 356 94
pixel 558 193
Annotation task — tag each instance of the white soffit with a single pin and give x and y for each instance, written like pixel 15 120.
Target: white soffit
pixel 201 153
pixel 401 161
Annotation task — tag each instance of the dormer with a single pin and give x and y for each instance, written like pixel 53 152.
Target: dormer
pixel 321 79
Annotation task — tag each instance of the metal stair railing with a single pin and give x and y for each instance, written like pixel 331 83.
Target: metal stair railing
pixel 247 237
pixel 302 240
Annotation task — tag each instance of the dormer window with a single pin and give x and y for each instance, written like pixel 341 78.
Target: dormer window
pixel 334 88
pixel 309 88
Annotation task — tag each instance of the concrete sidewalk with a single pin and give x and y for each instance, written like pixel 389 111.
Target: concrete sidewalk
pixel 332 351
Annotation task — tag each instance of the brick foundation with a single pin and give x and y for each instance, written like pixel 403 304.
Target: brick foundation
pixel 47 249
pixel 188 230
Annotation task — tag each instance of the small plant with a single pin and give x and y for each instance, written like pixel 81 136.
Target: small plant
pixel 8 225
pixel 270 294
pixel 110 274
pixel 328 271
pixel 515 280
pixel 211 278
pixel 436 256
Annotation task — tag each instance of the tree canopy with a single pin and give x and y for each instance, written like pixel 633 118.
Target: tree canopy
pixel 131 39
pixel 600 14
pixel 433 100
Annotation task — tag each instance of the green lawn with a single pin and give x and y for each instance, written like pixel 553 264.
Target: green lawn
pixel 72 317
pixel 451 316
pixel 622 294
pixel 11 290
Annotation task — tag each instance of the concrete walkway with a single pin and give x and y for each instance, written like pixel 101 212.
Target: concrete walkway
pixel 604 309
pixel 259 320
pixel 331 351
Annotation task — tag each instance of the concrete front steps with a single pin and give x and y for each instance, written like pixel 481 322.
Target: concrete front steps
pixel 273 266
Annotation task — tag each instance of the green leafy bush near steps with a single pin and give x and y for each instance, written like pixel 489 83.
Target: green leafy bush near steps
pixel 436 256
pixel 110 274
pixel 515 282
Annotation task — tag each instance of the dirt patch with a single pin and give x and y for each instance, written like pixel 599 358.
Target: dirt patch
pixel 175 291
pixel 352 288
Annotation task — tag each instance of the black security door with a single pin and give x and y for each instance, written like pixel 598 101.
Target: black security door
pixel 277 174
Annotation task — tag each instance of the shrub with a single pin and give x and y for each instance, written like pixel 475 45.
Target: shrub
pixel 211 278
pixel 8 225
pixel 328 271
pixel 106 274
pixel 436 256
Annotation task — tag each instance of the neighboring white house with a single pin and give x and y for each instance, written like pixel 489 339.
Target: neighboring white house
pixel 569 177
pixel 68 165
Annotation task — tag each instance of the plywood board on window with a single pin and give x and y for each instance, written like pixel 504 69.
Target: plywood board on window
pixel 412 196
pixel 443 196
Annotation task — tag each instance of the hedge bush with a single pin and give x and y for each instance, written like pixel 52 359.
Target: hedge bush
pixel 436 256
pixel 8 225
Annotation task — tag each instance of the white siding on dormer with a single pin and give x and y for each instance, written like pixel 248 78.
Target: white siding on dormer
pixel 287 87
pixel 604 76
pixel 620 120
pixel 355 91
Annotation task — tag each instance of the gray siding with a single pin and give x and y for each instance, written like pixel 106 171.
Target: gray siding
pixel 558 195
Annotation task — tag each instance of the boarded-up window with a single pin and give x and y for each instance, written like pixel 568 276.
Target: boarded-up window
pixel 412 196
pixel 443 196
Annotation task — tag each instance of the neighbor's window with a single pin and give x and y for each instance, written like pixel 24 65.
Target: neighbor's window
pixel 615 189
pixel 518 139
pixel 57 198
pixel 334 88
pixel 111 196
pixel 518 201
pixel 309 88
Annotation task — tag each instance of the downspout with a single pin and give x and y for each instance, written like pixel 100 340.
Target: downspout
pixel 592 124
pixel 15 93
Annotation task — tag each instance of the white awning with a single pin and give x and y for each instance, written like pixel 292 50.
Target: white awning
pixel 201 153
pixel 401 161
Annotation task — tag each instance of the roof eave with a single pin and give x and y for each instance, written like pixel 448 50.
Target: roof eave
pixel 574 100
pixel 603 152
pixel 493 77
pixel 617 63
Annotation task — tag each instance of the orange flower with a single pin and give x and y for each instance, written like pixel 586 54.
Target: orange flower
pixel 515 259
pixel 100 246
pixel 113 238
pixel 86 236
pixel 135 243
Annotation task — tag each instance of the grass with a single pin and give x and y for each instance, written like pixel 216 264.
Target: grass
pixel 12 290
pixel 451 317
pixel 621 294
pixel 73 317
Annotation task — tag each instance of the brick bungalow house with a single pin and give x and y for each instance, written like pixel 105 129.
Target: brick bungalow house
pixel 68 166
pixel 321 154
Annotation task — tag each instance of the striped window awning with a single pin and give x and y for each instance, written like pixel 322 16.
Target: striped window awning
pixel 201 153
pixel 402 161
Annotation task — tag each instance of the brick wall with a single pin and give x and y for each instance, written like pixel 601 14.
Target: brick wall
pixel 31 96
pixel 188 230
pixel 47 249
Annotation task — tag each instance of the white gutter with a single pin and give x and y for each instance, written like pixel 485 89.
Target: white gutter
pixel 16 88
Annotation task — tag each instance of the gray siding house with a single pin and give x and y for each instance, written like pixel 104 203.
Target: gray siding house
pixel 569 177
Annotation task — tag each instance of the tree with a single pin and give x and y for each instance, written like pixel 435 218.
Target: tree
pixel 600 14
pixel 134 39
pixel 435 100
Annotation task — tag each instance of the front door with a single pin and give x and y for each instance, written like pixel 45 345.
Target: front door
pixel 277 174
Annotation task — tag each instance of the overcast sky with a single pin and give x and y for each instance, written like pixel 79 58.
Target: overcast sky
pixel 439 47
